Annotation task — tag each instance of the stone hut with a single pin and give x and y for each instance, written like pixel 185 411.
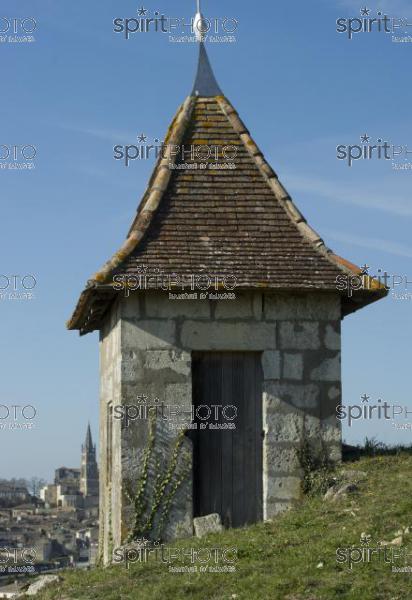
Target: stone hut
pixel 220 320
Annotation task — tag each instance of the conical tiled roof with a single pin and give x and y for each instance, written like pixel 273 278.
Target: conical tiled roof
pixel 220 221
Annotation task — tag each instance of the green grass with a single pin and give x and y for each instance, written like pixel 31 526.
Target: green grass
pixel 279 560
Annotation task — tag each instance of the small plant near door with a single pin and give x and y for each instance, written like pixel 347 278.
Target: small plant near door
pixel 318 469
pixel 152 499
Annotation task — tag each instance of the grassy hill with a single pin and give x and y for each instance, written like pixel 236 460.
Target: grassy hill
pixel 291 558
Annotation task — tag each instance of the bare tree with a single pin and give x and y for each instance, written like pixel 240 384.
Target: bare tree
pixel 34 485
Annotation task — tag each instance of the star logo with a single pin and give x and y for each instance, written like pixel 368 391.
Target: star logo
pixel 365 539
pixel 142 399
pixel 365 398
pixel 142 541
pixel 365 12
pixel 142 138
pixel 365 269
pixel 365 138
pixel 142 12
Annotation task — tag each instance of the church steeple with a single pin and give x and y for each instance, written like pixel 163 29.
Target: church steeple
pixel 89 476
pixel 88 444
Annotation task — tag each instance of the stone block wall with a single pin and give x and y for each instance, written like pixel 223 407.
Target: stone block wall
pixel 146 349
pixel 155 365
pixel 110 395
pixel 301 393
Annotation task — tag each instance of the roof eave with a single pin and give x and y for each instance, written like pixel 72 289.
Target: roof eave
pixel 361 299
pixel 95 301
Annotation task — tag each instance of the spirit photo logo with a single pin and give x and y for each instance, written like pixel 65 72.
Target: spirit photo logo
pixel 17 30
pixel 158 280
pixel 216 29
pixel 140 151
pixel 17 417
pixel 381 150
pixel 17 156
pixel 17 287
pixel 214 416
pixel 148 151
pixel 17 560
pixel 194 560
pixel 368 23
pixel 365 281
pixel 365 411
pixel 222 155
pixel 368 554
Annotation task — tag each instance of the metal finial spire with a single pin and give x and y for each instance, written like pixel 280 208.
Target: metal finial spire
pixel 197 23
pixel 205 83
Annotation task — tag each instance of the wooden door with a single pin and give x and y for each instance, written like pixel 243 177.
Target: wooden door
pixel 227 463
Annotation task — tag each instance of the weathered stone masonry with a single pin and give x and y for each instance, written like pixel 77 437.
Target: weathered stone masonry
pixel 146 348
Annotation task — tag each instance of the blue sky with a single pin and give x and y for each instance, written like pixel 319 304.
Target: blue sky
pixel 79 89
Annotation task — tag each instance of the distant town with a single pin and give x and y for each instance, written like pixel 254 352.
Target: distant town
pixel 45 527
